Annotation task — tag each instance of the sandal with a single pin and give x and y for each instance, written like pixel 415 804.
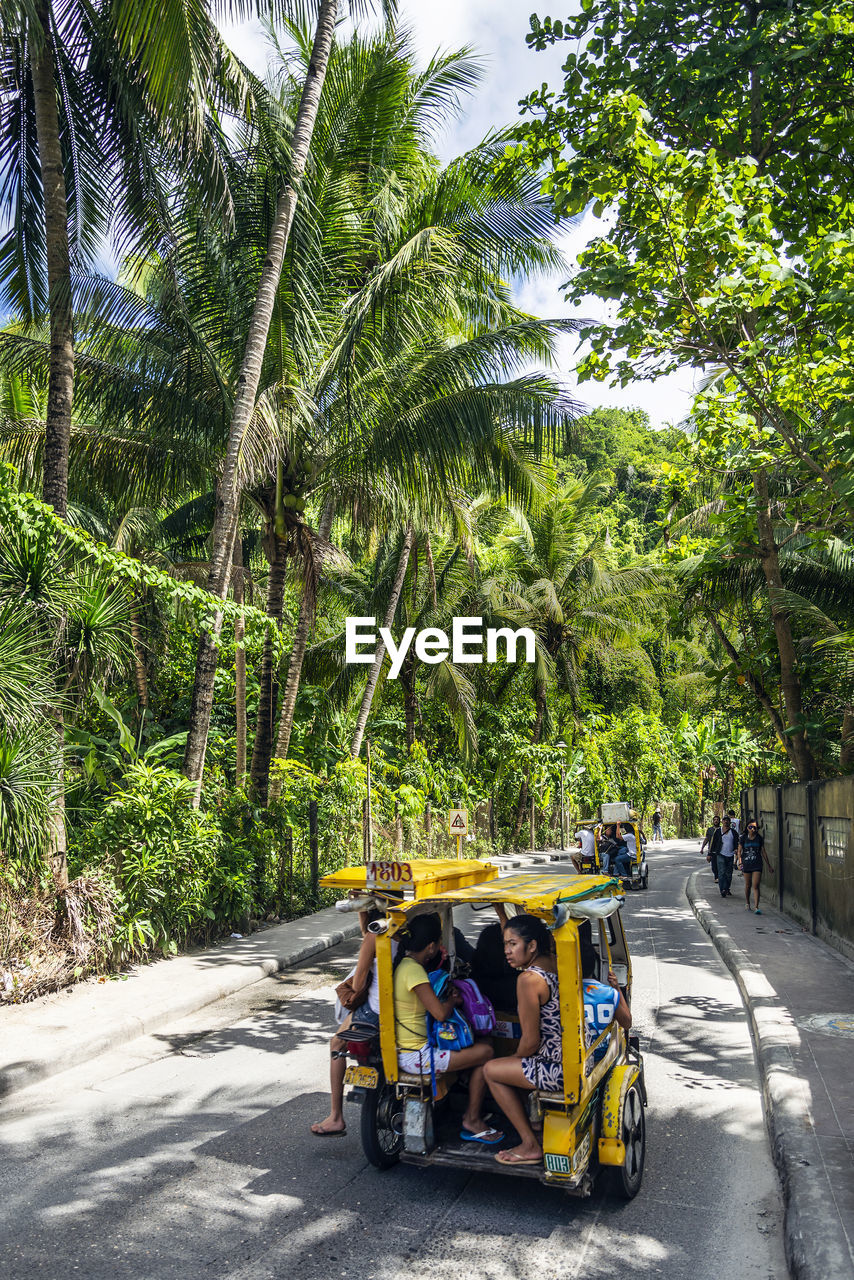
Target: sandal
pixel 510 1157
pixel 489 1137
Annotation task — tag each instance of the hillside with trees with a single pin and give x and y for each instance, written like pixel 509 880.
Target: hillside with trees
pixel 262 369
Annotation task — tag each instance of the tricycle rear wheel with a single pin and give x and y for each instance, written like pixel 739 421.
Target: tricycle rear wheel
pixel 626 1180
pixel 382 1125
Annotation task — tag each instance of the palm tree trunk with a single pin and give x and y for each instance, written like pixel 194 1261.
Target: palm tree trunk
pixel 368 695
pixel 431 570
pixel 239 666
pixel 60 392
pixel 262 751
pixel 306 616
pixel 410 702
pixel 789 681
pixel 139 673
pixel 247 389
pixel 846 755
pixel 539 717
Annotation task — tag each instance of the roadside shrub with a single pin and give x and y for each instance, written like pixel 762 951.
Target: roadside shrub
pixel 48 940
pixel 174 873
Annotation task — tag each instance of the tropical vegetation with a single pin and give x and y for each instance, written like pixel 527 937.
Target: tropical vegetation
pixel 262 361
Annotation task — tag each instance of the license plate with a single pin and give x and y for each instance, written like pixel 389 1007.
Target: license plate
pixel 557 1164
pixel 363 1077
pixel 397 876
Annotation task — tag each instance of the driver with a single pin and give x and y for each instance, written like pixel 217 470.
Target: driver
pixel 586 843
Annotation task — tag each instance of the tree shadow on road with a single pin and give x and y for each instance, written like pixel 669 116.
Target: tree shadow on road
pixel 278 1027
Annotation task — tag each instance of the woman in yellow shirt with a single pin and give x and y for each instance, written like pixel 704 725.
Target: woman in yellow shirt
pixel 414 998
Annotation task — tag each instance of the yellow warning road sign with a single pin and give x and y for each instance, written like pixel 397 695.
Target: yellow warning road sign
pixel 458 822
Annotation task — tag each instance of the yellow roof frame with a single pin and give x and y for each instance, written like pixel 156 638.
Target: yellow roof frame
pixel 538 893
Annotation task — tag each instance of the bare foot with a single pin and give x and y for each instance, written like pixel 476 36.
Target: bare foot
pixel 329 1127
pixel 474 1124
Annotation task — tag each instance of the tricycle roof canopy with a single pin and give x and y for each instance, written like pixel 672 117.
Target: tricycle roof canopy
pixel 538 893
pixel 414 878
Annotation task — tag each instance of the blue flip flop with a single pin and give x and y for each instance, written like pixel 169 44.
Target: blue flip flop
pixel 489 1137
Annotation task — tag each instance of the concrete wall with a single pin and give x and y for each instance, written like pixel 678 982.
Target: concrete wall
pixel 808 830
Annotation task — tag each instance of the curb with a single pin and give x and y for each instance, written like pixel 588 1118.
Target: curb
pixel 54 1048
pixel 814 1241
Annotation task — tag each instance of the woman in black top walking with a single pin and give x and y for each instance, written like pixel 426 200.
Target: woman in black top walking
pixel 751 850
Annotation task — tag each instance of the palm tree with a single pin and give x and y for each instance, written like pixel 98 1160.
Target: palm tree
pixel 414 247
pixel 156 359
pixel 103 104
pixel 558 579
pixel 429 600
pixel 762 586
pixel 368 589
pixel 243 408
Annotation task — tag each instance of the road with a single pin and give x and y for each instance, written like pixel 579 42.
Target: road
pixel 188 1154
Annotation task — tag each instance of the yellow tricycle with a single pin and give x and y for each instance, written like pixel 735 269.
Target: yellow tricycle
pixel 592 1125
pixel 603 841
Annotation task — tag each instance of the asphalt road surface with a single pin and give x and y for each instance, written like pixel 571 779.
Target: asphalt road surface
pixel 189 1153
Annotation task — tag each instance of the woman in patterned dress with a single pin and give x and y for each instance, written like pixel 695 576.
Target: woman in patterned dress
pixel 536 1063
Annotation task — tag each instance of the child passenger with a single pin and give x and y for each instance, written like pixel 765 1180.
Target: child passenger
pixel 414 998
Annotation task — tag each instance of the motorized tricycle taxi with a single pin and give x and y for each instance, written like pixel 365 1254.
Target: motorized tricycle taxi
pixel 596 1125
pixel 591 863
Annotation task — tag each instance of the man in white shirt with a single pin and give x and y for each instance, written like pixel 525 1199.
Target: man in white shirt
pixel 735 823
pixel 586 843
pixel 725 843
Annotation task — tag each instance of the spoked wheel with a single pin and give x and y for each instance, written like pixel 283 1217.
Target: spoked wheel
pixel 382 1126
pixel 627 1179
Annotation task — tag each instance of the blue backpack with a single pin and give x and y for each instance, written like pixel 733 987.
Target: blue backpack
pixel 454 1032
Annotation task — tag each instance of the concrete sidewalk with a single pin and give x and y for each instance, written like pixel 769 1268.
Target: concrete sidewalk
pixel 799 995
pixel 70 1027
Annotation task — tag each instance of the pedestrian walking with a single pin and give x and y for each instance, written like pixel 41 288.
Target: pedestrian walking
pixel 707 841
pixel 734 822
pixel 656 825
pixel 752 854
pixel 724 846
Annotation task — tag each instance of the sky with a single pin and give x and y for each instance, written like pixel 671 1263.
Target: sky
pixel 496 29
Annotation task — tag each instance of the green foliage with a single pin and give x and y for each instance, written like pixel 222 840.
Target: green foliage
pixel 26 792
pixel 718 140
pixel 624 678
pixel 168 861
pixel 397 384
